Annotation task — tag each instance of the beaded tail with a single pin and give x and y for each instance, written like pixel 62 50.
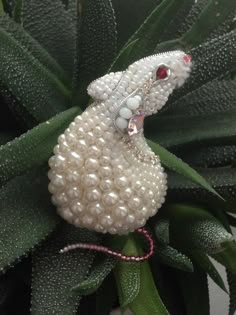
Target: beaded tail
pixel 119 255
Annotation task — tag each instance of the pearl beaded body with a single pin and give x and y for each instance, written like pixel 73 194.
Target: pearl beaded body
pixel 103 175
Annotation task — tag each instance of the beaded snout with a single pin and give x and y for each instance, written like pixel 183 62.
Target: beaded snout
pixel 103 175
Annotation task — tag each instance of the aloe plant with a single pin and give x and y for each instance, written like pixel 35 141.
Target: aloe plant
pixel 49 52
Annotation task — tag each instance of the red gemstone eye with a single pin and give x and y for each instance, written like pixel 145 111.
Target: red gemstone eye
pixel 187 58
pixel 162 73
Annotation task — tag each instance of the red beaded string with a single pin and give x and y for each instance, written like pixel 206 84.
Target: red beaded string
pixel 119 255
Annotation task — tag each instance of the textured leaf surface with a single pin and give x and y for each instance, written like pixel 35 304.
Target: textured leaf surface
pixel 177 165
pixel 179 131
pixel 172 257
pixel 27 215
pixel 53 27
pixel 106 296
pixel 214 14
pixel 195 291
pixel 212 156
pixel 100 270
pixel 35 87
pixel 227 257
pixel 193 228
pixel 129 17
pixel 34 147
pixel 136 286
pixel 231 277
pixel 128 275
pixel 222 179
pixel 54 274
pixel 207 266
pixel 151 30
pixel 212 60
pixel 97 43
pixel 26 41
pixel 215 96
pixel 148 300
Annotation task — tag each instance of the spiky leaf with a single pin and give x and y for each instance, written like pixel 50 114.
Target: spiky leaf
pixel 196 297
pixel 34 147
pixel 177 165
pixel 27 215
pixel 203 261
pixel 53 27
pixel 172 257
pixel 54 274
pixel 96 44
pixel 100 270
pixel 193 228
pixel 38 90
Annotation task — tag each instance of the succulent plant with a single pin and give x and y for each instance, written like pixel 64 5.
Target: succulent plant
pixel 50 51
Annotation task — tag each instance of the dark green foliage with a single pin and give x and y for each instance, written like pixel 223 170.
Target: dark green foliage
pixel 50 51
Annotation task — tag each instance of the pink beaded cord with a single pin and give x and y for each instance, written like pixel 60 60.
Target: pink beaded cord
pixel 119 255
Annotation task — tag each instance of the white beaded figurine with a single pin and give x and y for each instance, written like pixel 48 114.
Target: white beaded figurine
pixel 104 176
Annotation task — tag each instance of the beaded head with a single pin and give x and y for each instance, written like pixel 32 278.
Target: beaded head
pixel 143 89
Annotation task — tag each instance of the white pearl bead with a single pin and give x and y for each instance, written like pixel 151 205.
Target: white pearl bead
pixel 125 113
pixel 74 192
pixel 121 211
pixel 93 195
pixel 110 199
pixel 106 184
pixel 121 123
pixel 132 103
pixel 105 171
pixel 91 180
pixel 76 159
pixel 91 164
pixel 95 209
pixel 121 182
pixel 77 207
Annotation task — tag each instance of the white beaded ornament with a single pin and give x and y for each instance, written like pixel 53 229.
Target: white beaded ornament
pixel 103 175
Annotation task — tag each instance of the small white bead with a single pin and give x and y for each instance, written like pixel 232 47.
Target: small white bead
pixel 121 123
pixel 133 103
pixel 125 113
pixel 110 199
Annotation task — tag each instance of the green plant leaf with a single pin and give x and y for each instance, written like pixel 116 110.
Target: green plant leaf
pixel 96 44
pixel 221 179
pixel 194 287
pixel 28 43
pixel 106 296
pixel 227 257
pixel 135 284
pixel 27 215
pixel 34 147
pixel 53 27
pixel 214 14
pixel 177 165
pixel 99 271
pixel 194 229
pixel 211 60
pixel 1 8
pixel 172 257
pixel 212 156
pixel 150 31
pixel 128 275
pixel 181 131
pixel 54 274
pixel 215 96
pixel 37 89
pixel 130 16
pixel 172 29
pixel 122 57
pixel 231 277
pixel 203 261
